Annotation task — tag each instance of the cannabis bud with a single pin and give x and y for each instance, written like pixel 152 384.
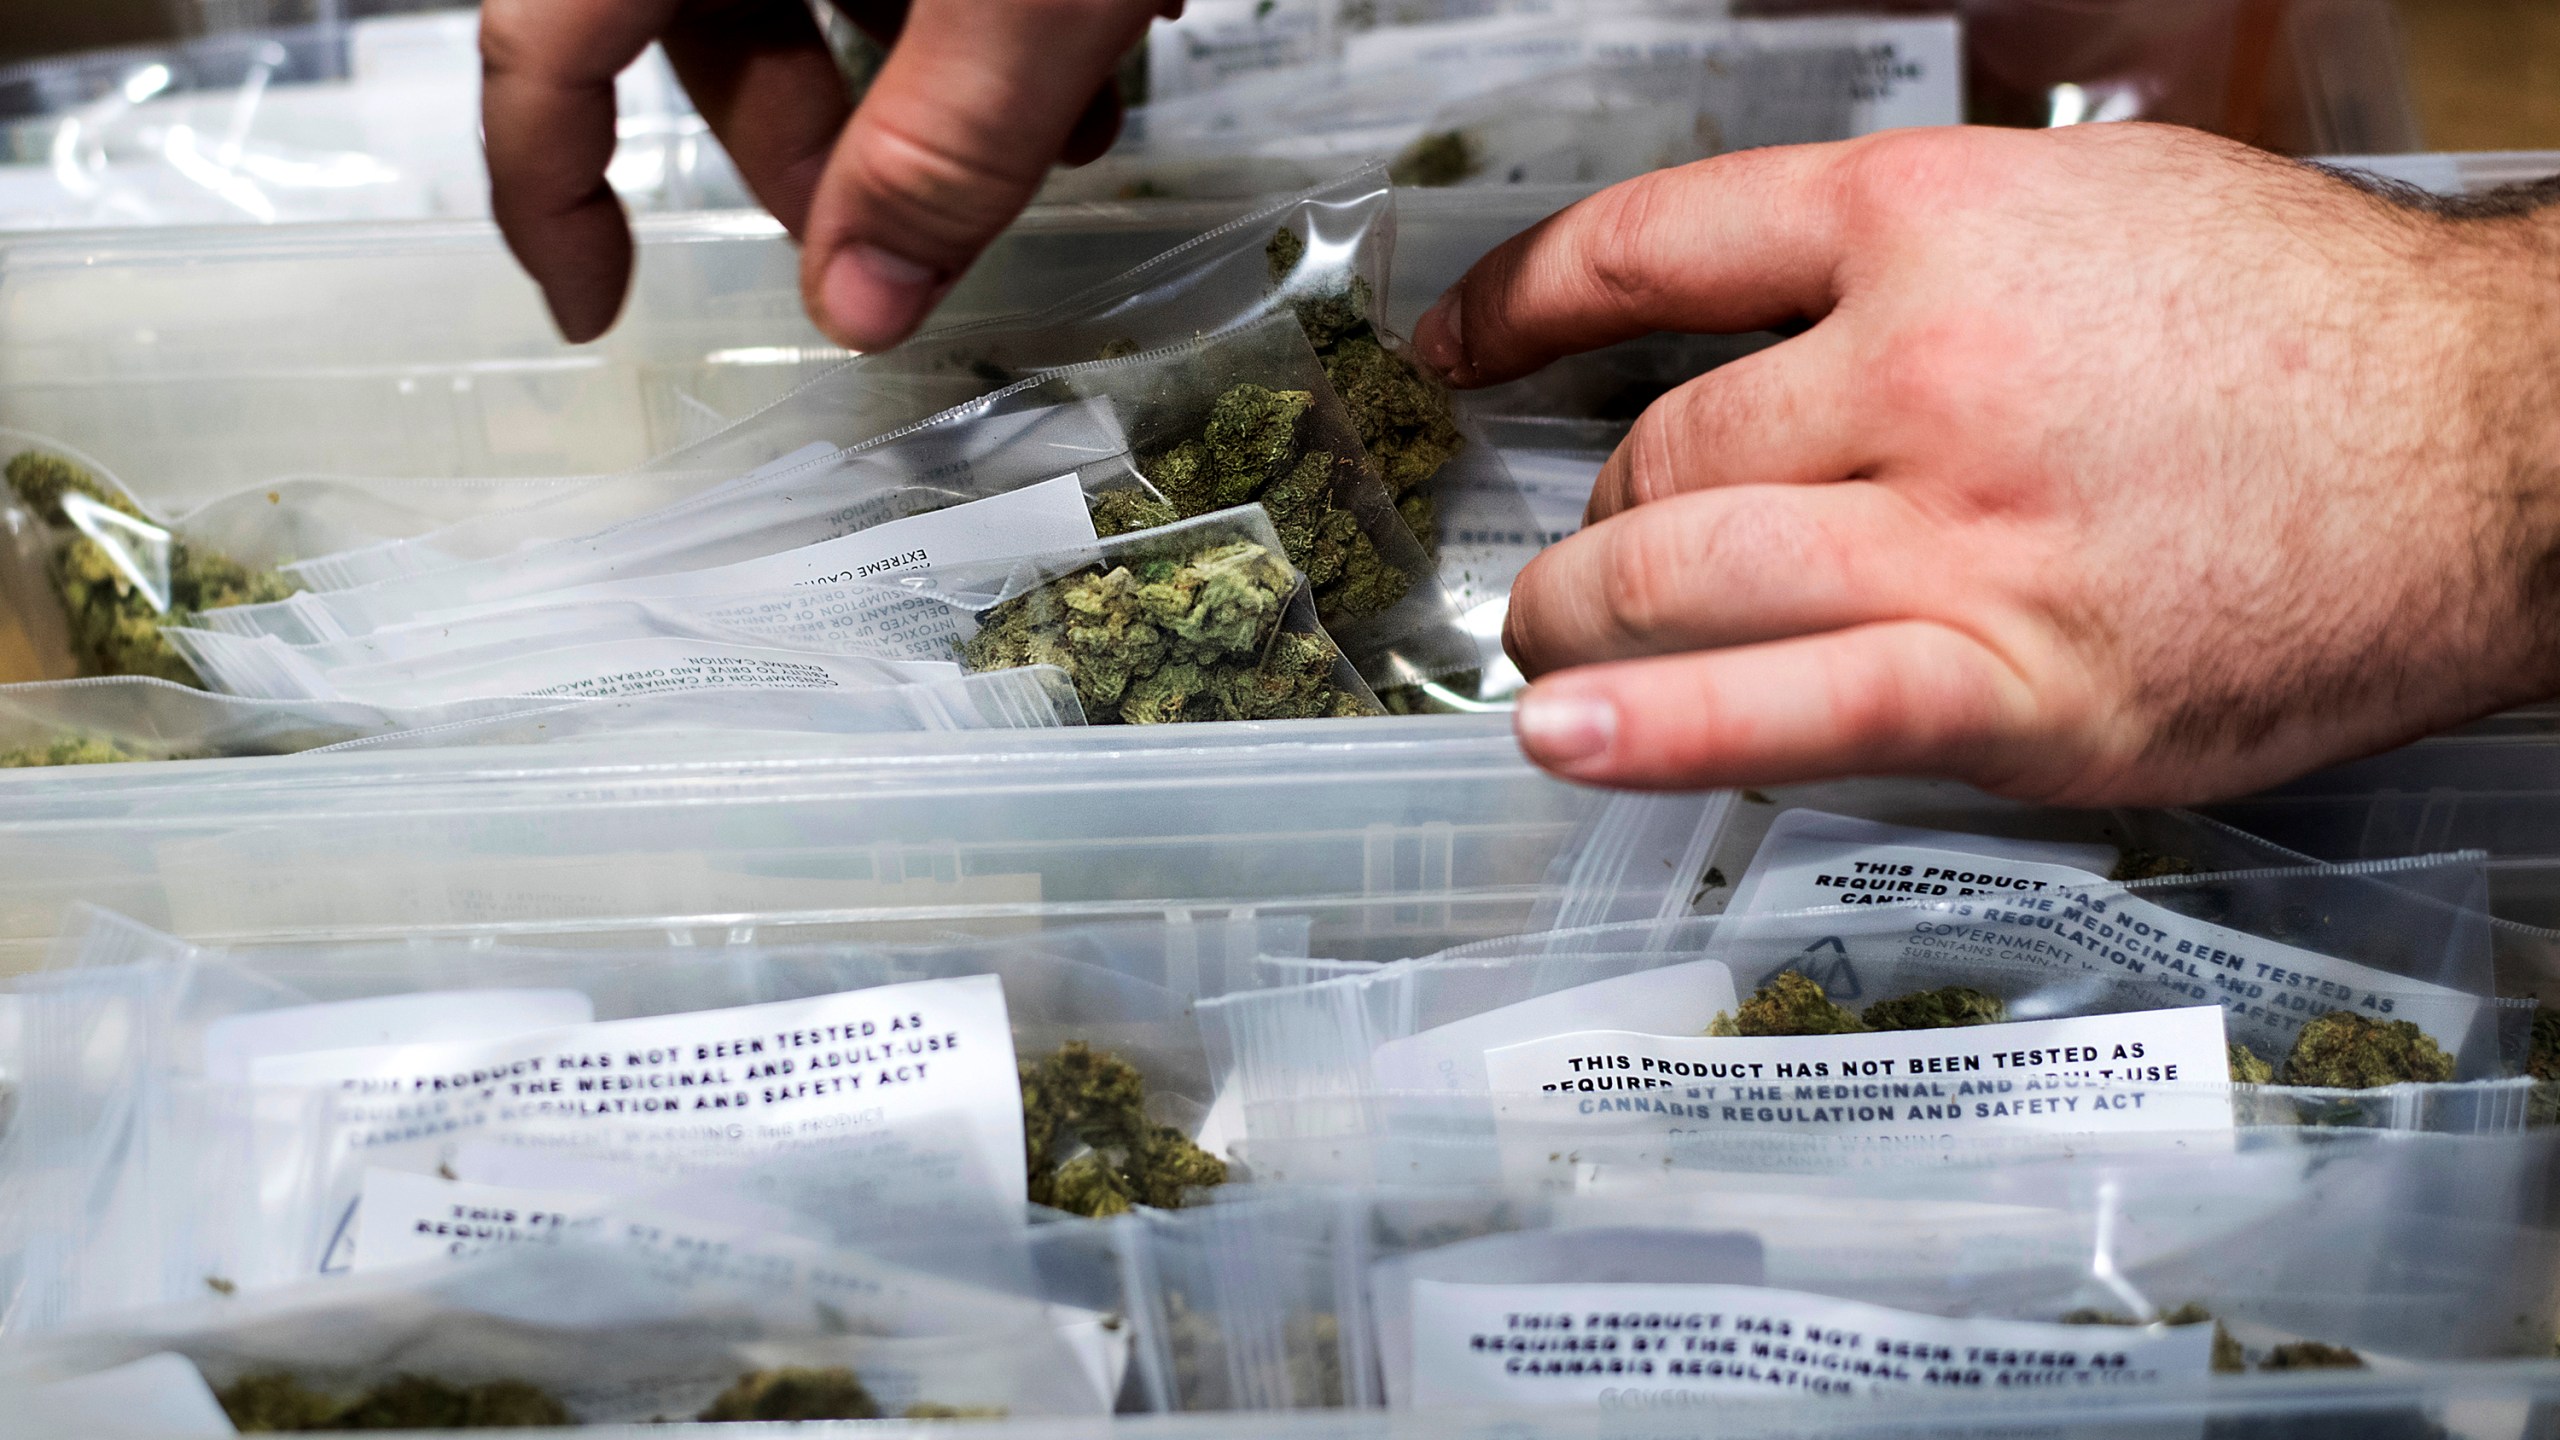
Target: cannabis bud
pixel 2134 864
pixel 2228 1357
pixel 2247 1068
pixel 1249 450
pixel 794 1392
pixel 1443 157
pixel 1168 640
pixel 1118 512
pixel 2343 1050
pixel 1081 1096
pixel 1791 1003
pixel 1942 1009
pixel 115 627
pixel 2311 1355
pixel 273 1403
pixel 1403 415
pixel 69 750
pixel 1788 1003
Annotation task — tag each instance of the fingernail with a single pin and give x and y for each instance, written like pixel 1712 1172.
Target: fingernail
pixel 1564 729
pixel 1440 337
pixel 875 299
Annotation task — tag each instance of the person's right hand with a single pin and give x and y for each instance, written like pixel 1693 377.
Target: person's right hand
pixel 2121 465
pixel 977 99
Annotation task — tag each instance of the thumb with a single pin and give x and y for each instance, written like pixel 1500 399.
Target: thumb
pixel 976 100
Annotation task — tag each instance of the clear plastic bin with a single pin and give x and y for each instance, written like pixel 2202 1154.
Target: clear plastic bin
pixel 1397 837
pixel 198 362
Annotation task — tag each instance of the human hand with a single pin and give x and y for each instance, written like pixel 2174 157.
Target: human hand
pixel 2122 465
pixel 890 203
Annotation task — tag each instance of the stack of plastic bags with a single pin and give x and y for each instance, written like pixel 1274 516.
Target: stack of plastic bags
pixel 1927 1111
pixel 1213 489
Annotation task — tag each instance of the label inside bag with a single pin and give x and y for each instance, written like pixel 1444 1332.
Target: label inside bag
pixel 2005 902
pixel 624 669
pixel 1670 1347
pixel 1034 520
pixel 756 1077
pixel 2094 1073
pixel 1455 1057
pixel 411 1219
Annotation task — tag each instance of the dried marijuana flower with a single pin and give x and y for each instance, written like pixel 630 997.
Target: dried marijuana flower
pixel 934 1410
pixel 2345 1051
pixel 2542 1062
pixel 2311 1355
pixel 1250 450
pixel 1172 640
pixel 1403 416
pixel 69 750
pixel 1117 512
pixel 270 1403
pixel 794 1392
pixel 2228 1357
pixel 2247 1068
pixel 1080 1096
pixel 2149 865
pixel 1941 1009
pixel 1441 158
pixel 115 630
pixel 1788 1003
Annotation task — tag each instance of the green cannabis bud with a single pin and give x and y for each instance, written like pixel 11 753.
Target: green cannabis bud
pixel 1942 1009
pixel 2228 1357
pixel 1403 415
pixel 1118 512
pixel 1080 1096
pixel 114 628
pixel 2343 1050
pixel 1250 450
pixel 2149 865
pixel 2311 1355
pixel 1443 157
pixel 1172 640
pixel 794 1392
pixel 69 750
pixel 270 1403
pixel 935 1410
pixel 2542 1062
pixel 2247 1068
pixel 1788 1003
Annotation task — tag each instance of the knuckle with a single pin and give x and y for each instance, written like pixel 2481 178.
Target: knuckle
pixel 1904 180
pixel 1639 578
pixel 946 194
pixel 502 34
pixel 1653 468
pixel 1620 243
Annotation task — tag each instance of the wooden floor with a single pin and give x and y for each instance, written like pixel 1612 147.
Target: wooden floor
pixel 2486 72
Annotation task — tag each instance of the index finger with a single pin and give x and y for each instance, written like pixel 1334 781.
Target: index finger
pixel 1733 244
pixel 546 110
